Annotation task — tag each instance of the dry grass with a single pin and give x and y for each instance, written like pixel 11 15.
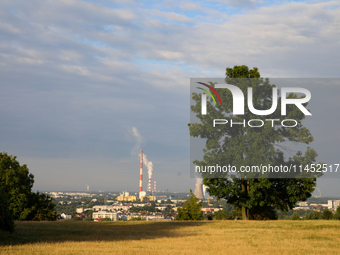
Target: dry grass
pixel 216 237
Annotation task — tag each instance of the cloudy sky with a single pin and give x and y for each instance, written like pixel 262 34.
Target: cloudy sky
pixel 77 76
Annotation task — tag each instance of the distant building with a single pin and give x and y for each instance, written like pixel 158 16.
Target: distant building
pixel 138 205
pixel 178 200
pixel 126 197
pixel 333 204
pixel 147 198
pixel 205 210
pixel 142 194
pixel 66 216
pixel 303 204
pixel 80 210
pixel 111 207
pixel 104 214
pixel 81 215
pixel 124 217
pixel 161 208
pixel 336 204
pixel 330 204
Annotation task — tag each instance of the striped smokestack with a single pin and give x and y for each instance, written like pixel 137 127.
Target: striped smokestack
pixel 154 186
pixel 141 172
pixel 149 184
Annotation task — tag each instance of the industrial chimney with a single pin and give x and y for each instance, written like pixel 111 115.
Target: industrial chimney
pixel 149 185
pixel 199 190
pixel 154 186
pixel 141 172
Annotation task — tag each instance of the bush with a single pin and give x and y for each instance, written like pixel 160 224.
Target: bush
pixel 137 219
pixel 76 219
pixel 295 216
pixel 313 216
pixel 106 219
pixel 222 215
pixel 337 214
pixel 327 214
pixel 208 216
pixel 191 209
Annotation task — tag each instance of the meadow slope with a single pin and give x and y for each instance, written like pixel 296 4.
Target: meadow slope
pixel 202 237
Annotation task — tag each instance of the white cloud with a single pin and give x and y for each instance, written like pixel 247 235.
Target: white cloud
pixel 169 16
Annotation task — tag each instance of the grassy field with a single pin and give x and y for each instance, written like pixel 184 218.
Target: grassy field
pixel 204 237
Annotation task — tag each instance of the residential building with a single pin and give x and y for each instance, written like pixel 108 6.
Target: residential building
pixel 104 214
pixel 66 216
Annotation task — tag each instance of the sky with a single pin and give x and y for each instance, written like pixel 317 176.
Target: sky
pixel 77 78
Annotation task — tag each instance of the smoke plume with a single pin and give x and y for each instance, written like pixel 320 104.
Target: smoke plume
pixel 148 165
pixel 139 140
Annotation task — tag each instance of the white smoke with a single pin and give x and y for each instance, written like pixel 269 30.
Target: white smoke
pixel 135 150
pixel 139 140
pixel 148 165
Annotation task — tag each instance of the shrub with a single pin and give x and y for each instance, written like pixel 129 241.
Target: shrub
pixel 313 216
pixel 106 219
pixel 327 214
pixel 137 219
pixel 76 219
pixel 222 215
pixel 191 209
pixel 337 214
pixel 295 216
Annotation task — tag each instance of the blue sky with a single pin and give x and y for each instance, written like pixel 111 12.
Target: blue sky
pixel 77 76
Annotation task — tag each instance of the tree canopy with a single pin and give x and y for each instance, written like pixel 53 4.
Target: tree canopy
pixel 17 183
pixel 243 145
pixel 17 201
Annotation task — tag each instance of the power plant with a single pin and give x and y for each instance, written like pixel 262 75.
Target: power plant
pixel 143 195
pixel 199 190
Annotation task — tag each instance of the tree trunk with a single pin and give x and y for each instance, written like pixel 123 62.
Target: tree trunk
pixel 245 211
pixel 249 215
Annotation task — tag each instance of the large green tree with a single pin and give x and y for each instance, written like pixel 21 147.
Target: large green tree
pixel 16 185
pixel 246 146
